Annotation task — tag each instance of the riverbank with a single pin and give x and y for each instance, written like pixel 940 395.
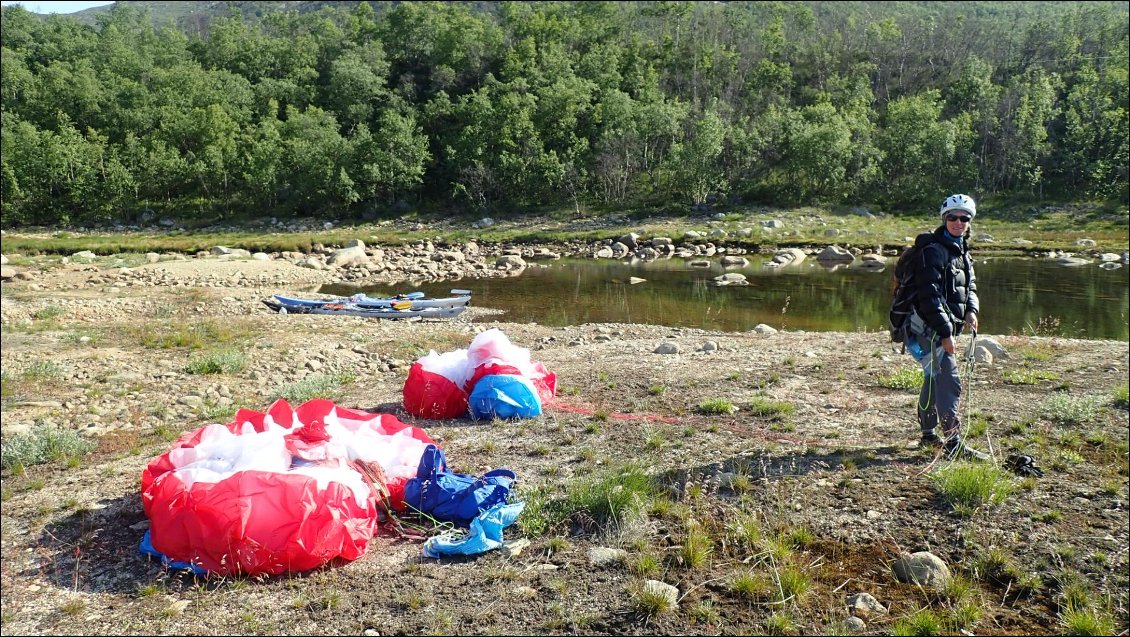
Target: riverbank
pixel 1077 228
pixel 789 464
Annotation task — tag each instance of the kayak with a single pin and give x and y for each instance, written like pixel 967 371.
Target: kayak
pixel 413 301
pixel 353 309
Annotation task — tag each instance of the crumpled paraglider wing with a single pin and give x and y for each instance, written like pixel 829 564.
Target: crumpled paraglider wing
pixel 432 395
pixel 278 491
pixel 258 522
pixel 491 378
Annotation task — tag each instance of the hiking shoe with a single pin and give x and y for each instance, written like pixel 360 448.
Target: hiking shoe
pixel 929 439
pixel 957 449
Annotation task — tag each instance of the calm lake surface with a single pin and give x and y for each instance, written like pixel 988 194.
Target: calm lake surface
pixel 1018 296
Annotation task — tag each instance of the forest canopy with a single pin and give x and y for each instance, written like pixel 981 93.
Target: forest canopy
pixel 363 109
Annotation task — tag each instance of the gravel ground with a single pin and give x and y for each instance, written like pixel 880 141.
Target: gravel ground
pixel 834 481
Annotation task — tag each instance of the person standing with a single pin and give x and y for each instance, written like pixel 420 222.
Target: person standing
pixel 945 303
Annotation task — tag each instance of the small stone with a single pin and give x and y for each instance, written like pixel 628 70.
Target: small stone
pixel 525 592
pixel 923 568
pixel 514 548
pixel 863 604
pixel 601 555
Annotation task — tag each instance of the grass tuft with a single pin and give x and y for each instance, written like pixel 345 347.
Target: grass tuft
pixel 716 406
pixel 792 583
pixel 773 409
pixel 697 548
pixel 1086 621
pixel 651 602
pixel 193 336
pixel 966 484
pixel 922 623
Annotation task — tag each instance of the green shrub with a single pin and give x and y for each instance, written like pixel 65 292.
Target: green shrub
pixel 606 499
pixel 646 564
pixel 613 496
pixel 1071 410
pixel 41 445
pixel 1026 376
pixel 966 614
pixel 1121 397
pixel 218 362
pixel 780 623
pixel 744 531
pixel 76 338
pixel 539 515
pixel 195 336
pixel 705 613
pixel 905 379
pixel 7 385
pixel 41 370
pixel 996 565
pixel 49 312
pixel 317 386
pixel 800 537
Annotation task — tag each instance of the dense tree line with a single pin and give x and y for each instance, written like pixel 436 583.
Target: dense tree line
pixel 358 110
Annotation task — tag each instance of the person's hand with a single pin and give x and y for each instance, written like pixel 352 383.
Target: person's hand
pixel 947 344
pixel 971 320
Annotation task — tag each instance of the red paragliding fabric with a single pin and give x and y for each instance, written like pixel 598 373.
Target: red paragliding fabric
pixel 277 491
pixel 490 369
pixel 431 395
pixel 258 522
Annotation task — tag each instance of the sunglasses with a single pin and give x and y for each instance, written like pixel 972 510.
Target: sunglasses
pixel 961 219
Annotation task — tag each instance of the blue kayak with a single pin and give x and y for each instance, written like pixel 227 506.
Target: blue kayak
pixel 354 309
pixel 414 301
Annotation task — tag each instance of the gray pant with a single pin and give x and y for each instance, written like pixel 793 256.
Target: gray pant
pixel 941 388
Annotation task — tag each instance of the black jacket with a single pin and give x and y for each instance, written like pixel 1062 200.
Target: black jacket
pixel 946 285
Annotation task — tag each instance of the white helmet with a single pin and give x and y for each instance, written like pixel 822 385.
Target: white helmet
pixel 959 202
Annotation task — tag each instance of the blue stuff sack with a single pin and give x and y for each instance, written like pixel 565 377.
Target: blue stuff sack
pixel 454 497
pixel 503 396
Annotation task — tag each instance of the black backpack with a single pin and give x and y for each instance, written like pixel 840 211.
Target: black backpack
pixel 903 296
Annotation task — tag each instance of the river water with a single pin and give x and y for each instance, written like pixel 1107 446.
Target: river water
pixel 1018 296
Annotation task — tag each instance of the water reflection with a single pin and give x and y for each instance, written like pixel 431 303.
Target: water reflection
pixel 1018 296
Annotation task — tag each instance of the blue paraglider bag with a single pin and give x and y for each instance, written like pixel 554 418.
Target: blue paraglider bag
pixel 454 497
pixel 503 396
